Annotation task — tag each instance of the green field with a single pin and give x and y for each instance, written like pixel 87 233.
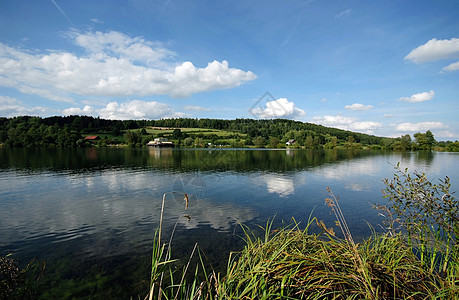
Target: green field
pixel 218 137
pixel 203 131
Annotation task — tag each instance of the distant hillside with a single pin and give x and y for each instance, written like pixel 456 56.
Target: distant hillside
pixel 70 131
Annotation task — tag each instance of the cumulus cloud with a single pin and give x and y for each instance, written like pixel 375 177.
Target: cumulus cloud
pixel 113 64
pixel 358 107
pixel 138 110
pixel 11 107
pixel 280 108
pixel 435 50
pixel 348 123
pixel 419 97
pixel 422 126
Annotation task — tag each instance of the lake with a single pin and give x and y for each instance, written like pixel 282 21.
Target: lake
pixel 91 213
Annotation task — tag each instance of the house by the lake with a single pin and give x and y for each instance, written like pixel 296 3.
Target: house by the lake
pixel 92 138
pixel 160 142
pixel 290 142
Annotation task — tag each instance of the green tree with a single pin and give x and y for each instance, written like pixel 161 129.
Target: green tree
pixel 273 142
pixel 177 134
pixel 133 137
pixel 259 142
pixel 402 143
pixel 199 142
pixel 424 141
pixel 453 147
pixel 188 141
pixel 309 143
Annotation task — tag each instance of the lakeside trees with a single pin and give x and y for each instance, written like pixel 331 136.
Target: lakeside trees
pixel 69 131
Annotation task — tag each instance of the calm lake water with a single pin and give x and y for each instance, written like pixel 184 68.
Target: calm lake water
pixel 91 213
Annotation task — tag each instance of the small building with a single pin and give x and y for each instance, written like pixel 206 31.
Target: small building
pixel 290 142
pixel 92 138
pixel 160 142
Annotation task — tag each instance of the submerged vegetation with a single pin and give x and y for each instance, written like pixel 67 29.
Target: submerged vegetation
pixel 415 258
pixel 71 131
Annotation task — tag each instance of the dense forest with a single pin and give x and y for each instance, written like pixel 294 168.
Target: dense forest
pixel 69 131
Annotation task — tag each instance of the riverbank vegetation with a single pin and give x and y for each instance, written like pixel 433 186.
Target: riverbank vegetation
pixel 416 257
pixel 72 131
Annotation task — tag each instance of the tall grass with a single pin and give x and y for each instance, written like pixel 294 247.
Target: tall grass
pixel 297 264
pixel 168 282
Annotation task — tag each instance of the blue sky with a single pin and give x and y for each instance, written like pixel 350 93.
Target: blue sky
pixel 387 68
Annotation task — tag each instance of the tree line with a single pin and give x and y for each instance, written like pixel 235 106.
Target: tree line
pixel 69 131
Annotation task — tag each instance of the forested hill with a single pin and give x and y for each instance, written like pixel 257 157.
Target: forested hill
pixel 69 131
pixel 268 128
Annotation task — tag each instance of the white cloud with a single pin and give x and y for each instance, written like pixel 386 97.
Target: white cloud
pixel 196 108
pixel 358 107
pixel 11 107
pixel 114 65
pixel 435 50
pixel 422 126
pixel 367 126
pixel 334 120
pixel 280 108
pixel 419 97
pixel 138 110
pixel 451 67
pixel 117 44
pixel 188 79
pixel 348 123
pixel 86 111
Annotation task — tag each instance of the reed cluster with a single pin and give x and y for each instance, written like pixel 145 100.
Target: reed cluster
pixel 296 264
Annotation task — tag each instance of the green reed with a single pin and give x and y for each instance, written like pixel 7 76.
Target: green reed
pixel 429 215
pixel 168 282
pixel 296 264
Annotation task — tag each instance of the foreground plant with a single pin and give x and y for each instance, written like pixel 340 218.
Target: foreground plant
pixel 296 264
pixel 429 213
pixel 164 274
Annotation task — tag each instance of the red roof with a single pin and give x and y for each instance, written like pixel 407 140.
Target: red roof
pixel 92 137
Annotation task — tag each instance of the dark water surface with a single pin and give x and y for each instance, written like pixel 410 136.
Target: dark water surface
pixel 91 213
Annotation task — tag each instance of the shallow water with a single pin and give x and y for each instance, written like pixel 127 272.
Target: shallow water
pixel 91 213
